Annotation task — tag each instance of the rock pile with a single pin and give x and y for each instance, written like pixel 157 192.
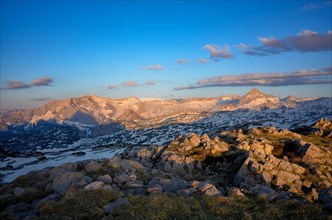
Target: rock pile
pixel 262 162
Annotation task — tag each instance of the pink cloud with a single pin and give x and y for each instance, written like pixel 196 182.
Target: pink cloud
pixel 182 61
pixel 300 77
pixel 154 67
pixel 305 41
pixel 201 60
pixel 217 52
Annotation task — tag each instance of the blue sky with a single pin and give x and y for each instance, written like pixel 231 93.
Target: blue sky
pixel 164 49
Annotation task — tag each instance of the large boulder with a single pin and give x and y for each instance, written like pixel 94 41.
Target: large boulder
pixel 92 167
pixel 64 181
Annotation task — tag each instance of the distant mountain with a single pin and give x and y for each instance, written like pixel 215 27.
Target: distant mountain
pixel 133 112
pixel 256 99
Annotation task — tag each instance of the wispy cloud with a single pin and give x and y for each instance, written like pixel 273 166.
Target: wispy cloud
pixel 217 52
pixel 306 41
pixel 202 60
pixel 44 81
pixel 132 83
pixel 150 83
pixel 113 87
pixel 14 85
pixel 17 85
pixel 182 61
pixel 129 84
pixel 317 5
pixel 311 6
pixel 40 99
pixel 153 67
pixel 300 77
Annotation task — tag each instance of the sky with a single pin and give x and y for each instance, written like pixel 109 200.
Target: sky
pixel 163 49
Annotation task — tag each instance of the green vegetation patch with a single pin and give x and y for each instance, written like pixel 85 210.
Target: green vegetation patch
pixel 177 207
pixel 81 204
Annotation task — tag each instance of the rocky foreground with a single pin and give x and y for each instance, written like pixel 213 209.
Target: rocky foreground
pixel 238 174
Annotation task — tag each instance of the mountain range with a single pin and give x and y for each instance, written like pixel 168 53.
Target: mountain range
pixel 137 113
pixel 92 121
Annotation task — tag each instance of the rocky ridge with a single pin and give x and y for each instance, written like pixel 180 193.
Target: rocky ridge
pixel 136 113
pixel 265 163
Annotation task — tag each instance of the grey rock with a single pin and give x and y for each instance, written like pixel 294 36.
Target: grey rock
pixel 109 187
pixel 51 197
pixel 155 189
pixel 175 185
pixel 121 179
pixel 93 166
pixel 63 181
pixel 264 192
pixel 19 191
pixel 19 207
pixel 213 191
pixel 186 192
pixel 109 208
pixel 203 186
pixel 234 191
pixel 107 179
pixel 94 185
pixel 325 197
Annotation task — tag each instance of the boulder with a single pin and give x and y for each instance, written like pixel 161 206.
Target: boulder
pixel 325 197
pixel 92 167
pixel 154 189
pixel 203 186
pixel 107 179
pixel 323 123
pixel 287 176
pixel 234 191
pixel 18 191
pixel 121 179
pixel 309 149
pixel 94 185
pixel 186 192
pixel 264 192
pixel 51 197
pixel 194 140
pixel 64 181
pixel 174 185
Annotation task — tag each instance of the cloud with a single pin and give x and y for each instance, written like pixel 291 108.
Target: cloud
pixel 39 99
pixel 113 87
pixel 14 85
pixel 150 83
pixel 182 61
pixel 153 67
pixel 129 84
pixel 201 60
pixel 300 77
pixel 44 81
pixel 310 7
pixel 17 85
pixel 132 83
pixel 317 5
pixel 306 41
pixel 217 52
